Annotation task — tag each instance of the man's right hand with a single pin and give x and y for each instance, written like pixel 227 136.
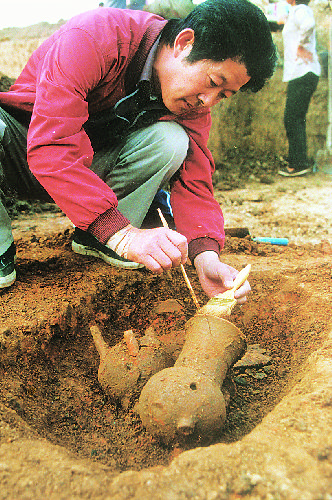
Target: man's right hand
pixel 157 249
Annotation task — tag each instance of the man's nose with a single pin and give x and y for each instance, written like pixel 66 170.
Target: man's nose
pixel 208 99
pixel 212 98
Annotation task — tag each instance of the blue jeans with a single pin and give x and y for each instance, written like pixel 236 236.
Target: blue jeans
pixel 299 92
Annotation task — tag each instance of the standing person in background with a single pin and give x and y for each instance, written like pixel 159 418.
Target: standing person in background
pixel 301 71
pixel 122 4
pixel 118 4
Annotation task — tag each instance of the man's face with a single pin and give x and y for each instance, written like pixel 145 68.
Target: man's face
pixel 186 87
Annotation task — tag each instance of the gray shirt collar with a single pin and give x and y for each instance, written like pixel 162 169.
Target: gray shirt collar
pixel 148 66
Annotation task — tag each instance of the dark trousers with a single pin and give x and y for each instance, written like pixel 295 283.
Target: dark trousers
pixel 299 92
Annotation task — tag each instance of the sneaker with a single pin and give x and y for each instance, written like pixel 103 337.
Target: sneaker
pixel 291 172
pixel 86 244
pixel 7 269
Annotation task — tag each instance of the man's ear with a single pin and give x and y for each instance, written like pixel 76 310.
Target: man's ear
pixel 183 42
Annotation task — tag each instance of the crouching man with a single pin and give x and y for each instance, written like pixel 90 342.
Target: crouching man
pixel 114 106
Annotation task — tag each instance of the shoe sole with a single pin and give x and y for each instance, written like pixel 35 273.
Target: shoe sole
pixel 83 250
pixel 7 281
pixel 295 174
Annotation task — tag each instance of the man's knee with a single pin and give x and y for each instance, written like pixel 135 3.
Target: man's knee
pixel 155 152
pixel 170 143
pixel 174 140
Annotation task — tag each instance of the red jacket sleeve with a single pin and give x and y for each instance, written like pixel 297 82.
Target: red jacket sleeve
pixel 59 151
pixel 197 214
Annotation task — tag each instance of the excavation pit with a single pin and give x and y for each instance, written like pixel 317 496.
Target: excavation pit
pixel 50 394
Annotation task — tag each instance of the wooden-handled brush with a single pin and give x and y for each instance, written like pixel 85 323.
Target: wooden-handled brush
pixel 223 303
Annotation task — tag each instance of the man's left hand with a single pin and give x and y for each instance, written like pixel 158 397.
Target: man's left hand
pixel 216 277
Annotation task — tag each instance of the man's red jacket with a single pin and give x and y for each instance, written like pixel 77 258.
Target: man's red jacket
pixel 80 70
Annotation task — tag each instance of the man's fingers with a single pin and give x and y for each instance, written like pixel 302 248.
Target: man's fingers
pixel 220 272
pixel 162 258
pixel 180 242
pixel 168 254
pixel 167 247
pixel 158 249
pixel 242 292
pixel 183 248
pixel 150 263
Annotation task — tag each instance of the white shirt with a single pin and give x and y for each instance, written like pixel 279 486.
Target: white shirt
pixel 299 29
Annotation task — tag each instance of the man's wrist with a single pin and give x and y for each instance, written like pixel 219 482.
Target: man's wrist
pixel 203 257
pixel 200 245
pixel 121 240
pixel 107 224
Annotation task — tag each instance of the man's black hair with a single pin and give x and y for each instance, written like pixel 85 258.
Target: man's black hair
pixel 229 29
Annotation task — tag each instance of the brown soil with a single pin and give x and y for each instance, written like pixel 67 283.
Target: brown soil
pixel 49 362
